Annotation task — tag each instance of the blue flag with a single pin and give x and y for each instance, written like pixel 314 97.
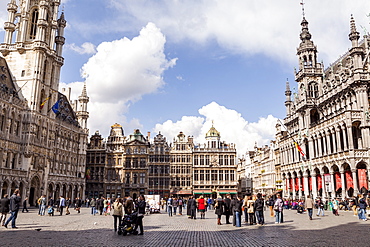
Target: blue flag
pixel 55 108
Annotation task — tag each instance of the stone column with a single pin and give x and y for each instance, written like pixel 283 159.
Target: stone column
pixel 299 187
pixel 328 147
pixel 314 186
pixel 332 186
pixel 343 129
pixel 324 192
pixel 293 184
pixel 350 137
pixel 354 177
pixel 320 147
pixel 306 187
pixel 344 189
pixel 339 147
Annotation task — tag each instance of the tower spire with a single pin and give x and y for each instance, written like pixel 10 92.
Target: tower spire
pixel 354 35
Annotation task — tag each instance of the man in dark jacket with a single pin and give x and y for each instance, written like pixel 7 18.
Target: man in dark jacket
pixel 258 208
pixel 140 206
pixel 192 204
pixel 227 208
pixel 15 201
pixel 4 208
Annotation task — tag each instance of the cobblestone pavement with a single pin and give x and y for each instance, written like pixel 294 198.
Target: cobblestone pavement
pixel 161 230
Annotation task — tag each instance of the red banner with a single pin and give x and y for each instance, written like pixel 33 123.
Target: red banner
pixel 349 179
pixel 291 184
pixel 338 181
pixel 296 184
pixel 362 178
pixel 310 183
pixel 319 181
pixel 302 183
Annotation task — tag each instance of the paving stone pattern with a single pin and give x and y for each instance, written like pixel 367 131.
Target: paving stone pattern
pixel 161 230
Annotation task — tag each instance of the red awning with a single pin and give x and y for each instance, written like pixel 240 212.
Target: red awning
pixel 349 179
pixel 362 178
pixel 184 192
pixel 205 191
pixel 338 181
pixel 228 191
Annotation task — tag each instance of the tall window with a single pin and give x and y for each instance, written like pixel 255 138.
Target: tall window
pixel 313 90
pixel 34 19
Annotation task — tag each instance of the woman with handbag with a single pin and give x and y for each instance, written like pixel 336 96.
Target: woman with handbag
pixel 278 208
pixel 117 213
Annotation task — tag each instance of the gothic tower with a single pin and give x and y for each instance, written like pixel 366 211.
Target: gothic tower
pixel 81 109
pixel 32 46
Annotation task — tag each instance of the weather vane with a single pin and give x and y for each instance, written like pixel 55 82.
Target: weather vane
pixel 302 3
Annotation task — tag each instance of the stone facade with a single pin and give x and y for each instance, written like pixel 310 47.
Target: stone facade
pixel 135 166
pixel 43 135
pixel 323 147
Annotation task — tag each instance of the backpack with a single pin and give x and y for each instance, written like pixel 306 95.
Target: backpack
pixel 259 204
pixel 180 202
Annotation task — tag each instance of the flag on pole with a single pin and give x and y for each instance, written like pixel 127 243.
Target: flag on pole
pixel 55 107
pixel 44 102
pixel 299 149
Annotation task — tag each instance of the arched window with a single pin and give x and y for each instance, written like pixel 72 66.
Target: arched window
pixel 34 19
pixel 313 90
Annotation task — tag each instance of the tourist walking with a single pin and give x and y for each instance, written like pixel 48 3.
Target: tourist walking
pixel 362 208
pixel 320 207
pixel 238 211
pixel 4 208
pixel 258 208
pixel 219 209
pixel 169 206
pixel 117 213
pixel 175 204
pixel 15 201
pixel 140 206
pixel 250 207
pixel 93 206
pixel 309 206
pixel 202 207
pixel 25 201
pixel 62 204
pixel 192 204
pixel 227 208
pixel 278 208
pixel 271 205
pixel 100 205
pixel 42 205
pixel 245 206
pixel 180 202
pixel 51 205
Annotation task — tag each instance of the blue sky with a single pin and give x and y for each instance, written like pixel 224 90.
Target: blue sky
pixel 178 65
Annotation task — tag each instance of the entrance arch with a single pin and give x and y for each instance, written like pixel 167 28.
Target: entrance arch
pixel 34 190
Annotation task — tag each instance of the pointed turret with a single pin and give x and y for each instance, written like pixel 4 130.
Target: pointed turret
pixel 354 35
pixel 82 113
pixel 288 99
pixel 60 40
pixel 310 74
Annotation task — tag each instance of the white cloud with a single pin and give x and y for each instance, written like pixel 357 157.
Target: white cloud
pixel 231 125
pixel 250 27
pixel 121 72
pixel 85 48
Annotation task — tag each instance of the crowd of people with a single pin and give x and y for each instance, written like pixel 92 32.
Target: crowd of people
pixel 254 206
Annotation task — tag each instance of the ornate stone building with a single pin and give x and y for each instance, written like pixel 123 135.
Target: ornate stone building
pixel 329 119
pixel 135 166
pixel 43 135
pixel 214 166
pixel 159 167
pixel 182 165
